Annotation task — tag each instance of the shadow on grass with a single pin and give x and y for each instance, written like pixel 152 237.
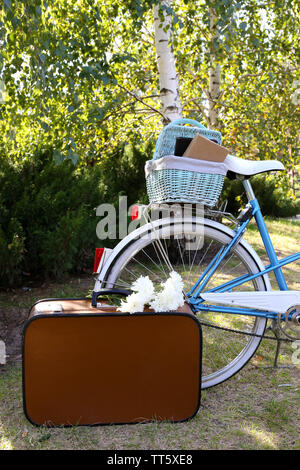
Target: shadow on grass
pixel 256 409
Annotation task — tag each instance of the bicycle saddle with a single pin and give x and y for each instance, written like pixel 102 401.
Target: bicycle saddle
pixel 241 167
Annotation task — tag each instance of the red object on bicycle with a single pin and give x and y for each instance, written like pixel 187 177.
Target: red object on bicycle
pixel 135 212
pixel 98 255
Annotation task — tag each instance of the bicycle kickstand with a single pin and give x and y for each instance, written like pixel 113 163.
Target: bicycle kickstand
pixel 274 328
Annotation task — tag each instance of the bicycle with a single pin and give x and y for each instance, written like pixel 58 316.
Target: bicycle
pixel 226 283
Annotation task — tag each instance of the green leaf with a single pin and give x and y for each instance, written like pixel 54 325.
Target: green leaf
pixel 73 156
pixel 38 10
pixel 58 157
pixel 105 79
pixel 45 126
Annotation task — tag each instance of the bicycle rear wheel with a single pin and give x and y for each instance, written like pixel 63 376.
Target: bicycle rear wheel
pixel 189 249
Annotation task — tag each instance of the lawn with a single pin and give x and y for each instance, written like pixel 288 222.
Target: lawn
pixel 257 409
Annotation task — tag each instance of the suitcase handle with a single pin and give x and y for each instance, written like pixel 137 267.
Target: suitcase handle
pixel 95 295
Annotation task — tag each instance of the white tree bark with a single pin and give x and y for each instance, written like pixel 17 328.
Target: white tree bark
pixel 214 74
pixel 168 79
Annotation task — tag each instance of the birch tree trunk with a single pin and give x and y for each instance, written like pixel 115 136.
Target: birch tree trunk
pixel 214 73
pixel 168 79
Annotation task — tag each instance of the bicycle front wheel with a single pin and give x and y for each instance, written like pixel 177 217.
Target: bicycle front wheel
pixel 189 250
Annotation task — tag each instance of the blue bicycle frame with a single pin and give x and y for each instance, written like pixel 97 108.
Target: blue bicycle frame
pixel 275 265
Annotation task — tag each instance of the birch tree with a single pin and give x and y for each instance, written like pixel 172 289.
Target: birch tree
pixel 214 71
pixel 168 78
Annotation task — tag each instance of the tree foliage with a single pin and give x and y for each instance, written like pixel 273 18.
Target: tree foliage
pixel 258 51
pixel 79 80
pixel 70 69
pixel 81 75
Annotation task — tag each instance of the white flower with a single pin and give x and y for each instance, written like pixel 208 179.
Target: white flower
pixel 169 298
pixel 176 280
pixel 144 287
pixel 174 283
pixel 132 304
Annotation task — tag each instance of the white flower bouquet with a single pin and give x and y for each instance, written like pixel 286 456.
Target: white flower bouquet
pixel 169 298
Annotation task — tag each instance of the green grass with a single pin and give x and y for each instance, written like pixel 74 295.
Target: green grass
pixel 285 235
pixel 250 411
pixel 256 409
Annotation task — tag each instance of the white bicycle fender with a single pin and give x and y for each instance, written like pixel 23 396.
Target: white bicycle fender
pixel 161 224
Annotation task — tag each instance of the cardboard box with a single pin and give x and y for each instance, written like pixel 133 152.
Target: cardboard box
pixel 202 148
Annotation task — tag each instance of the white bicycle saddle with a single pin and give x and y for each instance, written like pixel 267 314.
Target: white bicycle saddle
pixel 240 166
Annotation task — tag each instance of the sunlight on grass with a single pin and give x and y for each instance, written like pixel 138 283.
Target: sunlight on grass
pixel 5 444
pixel 264 439
pixel 286 240
pixel 284 235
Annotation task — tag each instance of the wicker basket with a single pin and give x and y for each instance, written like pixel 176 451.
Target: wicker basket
pixel 184 186
pixel 180 185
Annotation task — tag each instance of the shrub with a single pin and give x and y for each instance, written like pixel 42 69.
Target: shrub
pixel 47 211
pixel 273 199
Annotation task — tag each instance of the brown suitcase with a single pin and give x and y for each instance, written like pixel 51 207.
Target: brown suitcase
pixel 85 365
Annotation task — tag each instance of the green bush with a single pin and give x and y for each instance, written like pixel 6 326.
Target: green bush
pixel 47 211
pixel 274 199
